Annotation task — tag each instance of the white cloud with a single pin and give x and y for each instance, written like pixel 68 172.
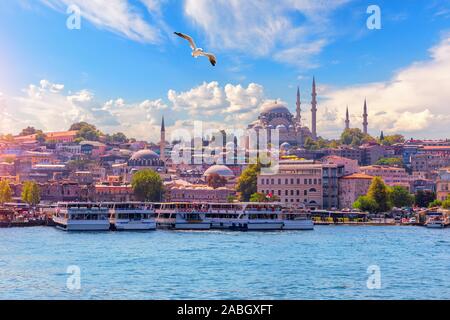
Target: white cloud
pixel 414 101
pixel 233 103
pixel 47 107
pixel 118 16
pixel 266 28
pixel 42 106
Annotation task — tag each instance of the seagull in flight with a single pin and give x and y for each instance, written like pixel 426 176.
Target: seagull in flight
pixel 197 52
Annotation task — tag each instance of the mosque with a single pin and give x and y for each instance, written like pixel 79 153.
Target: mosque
pixel 291 129
pixel 292 132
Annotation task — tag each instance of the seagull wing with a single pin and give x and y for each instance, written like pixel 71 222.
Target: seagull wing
pixel 212 58
pixel 188 38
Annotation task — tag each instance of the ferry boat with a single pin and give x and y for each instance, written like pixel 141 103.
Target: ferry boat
pixel 246 216
pixel 435 220
pixel 81 216
pixel 182 216
pixel 132 216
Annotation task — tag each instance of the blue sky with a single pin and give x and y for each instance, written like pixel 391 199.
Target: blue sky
pixel 126 55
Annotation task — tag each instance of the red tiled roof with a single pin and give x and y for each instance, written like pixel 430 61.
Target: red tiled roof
pixel 358 176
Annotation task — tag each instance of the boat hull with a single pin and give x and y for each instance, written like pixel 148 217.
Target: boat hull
pixel 82 225
pixel 173 224
pixel 435 225
pixel 247 225
pixel 298 225
pixel 134 225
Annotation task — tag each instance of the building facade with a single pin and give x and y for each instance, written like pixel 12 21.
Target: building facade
pixel 443 184
pixel 297 183
pixel 392 176
pixel 351 187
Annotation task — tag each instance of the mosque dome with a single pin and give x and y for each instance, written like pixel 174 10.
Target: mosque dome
pixel 145 158
pixel 275 108
pixel 144 155
pixel 221 170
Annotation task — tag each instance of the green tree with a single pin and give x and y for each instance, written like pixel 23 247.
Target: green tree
pixel 379 192
pixel 310 144
pixel 5 192
pixel 258 197
pixel 31 193
pixel 231 199
pixel 446 203
pixel 365 203
pixel 424 198
pixel 390 162
pixel 435 203
pixel 393 139
pixel 27 131
pixel 86 131
pixel 400 197
pixel 247 182
pixel 216 181
pixel 355 137
pixel 147 185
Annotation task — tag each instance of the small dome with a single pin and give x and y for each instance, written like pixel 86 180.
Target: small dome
pixel 281 127
pixel 221 170
pixel 275 108
pixel 144 155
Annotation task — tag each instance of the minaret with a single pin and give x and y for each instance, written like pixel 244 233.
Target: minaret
pixel 365 122
pixel 299 110
pixel 347 120
pixel 162 143
pixel 314 110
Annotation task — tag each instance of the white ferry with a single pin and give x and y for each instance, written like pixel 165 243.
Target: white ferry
pixel 246 216
pixel 435 220
pixel 182 216
pixel 132 216
pixel 81 216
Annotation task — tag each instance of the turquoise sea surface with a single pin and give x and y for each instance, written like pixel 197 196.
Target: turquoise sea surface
pixel 330 262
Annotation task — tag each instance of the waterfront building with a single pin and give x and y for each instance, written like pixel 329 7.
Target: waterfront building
pixel 443 184
pixel 350 165
pixel 297 183
pixel 351 187
pixel 330 184
pixel 392 176
pixel 113 193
